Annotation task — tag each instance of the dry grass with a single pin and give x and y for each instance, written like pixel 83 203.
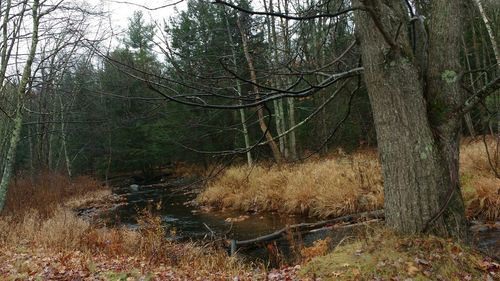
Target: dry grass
pixel 474 157
pixel 46 190
pixel 342 184
pixel 330 187
pixel 481 188
pixel 45 223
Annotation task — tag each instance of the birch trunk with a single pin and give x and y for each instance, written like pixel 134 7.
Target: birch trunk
pixel 491 34
pixel 18 117
pixel 63 140
pixel 243 118
pixel 292 147
pixel 273 51
pixel 496 52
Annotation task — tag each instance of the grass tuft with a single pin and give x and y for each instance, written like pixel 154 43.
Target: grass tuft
pixel 324 188
pixel 480 186
pixel 343 184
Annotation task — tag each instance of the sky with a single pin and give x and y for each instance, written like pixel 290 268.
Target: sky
pixel 154 10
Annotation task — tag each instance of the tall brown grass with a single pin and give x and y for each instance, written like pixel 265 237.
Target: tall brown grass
pixel 480 186
pixel 45 220
pixel 43 192
pixel 324 188
pixel 342 184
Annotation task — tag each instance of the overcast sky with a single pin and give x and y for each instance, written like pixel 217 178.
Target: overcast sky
pixel 157 10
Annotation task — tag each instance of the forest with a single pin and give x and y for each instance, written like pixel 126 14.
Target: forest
pixel 250 140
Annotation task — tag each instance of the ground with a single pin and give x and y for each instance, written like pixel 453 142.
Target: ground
pixel 42 238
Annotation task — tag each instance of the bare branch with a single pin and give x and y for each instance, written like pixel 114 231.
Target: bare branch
pixel 288 16
pixel 147 7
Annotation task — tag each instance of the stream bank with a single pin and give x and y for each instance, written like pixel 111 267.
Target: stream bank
pixel 174 201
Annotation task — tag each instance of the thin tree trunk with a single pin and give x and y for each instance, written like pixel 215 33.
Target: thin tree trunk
pixel 246 135
pixel 292 123
pixel 18 118
pixel 260 113
pixel 468 119
pixel 63 140
pixel 292 147
pixel 243 118
pixel 273 51
pixel 491 34
pixel 278 121
pixel 494 45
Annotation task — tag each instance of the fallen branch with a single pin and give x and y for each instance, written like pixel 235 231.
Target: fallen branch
pixel 156 185
pixel 378 214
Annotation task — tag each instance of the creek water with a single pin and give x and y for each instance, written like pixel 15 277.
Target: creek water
pixel 175 205
pixel 179 213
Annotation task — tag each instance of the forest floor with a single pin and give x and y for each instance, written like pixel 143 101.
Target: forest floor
pixel 42 238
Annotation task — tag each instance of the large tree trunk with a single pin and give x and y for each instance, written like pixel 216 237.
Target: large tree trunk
pixel 419 166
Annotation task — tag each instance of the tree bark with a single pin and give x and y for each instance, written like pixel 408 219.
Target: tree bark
pixel 292 147
pixel 18 118
pixel 260 113
pixel 273 51
pixel 444 95
pixel 243 118
pixel 419 168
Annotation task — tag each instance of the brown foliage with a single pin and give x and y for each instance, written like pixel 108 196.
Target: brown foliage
pixel 329 187
pixel 40 220
pixel 45 191
pixel 480 185
pixel 342 184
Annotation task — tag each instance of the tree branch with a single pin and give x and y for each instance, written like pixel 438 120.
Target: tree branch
pixel 286 16
pixel 472 101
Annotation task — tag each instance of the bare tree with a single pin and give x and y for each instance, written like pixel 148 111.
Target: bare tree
pixel 45 51
pixel 20 96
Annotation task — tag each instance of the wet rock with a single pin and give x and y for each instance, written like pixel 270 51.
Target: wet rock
pixel 479 228
pixel 237 219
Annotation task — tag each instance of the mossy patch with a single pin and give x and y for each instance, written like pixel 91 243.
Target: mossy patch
pixel 449 76
pixel 384 255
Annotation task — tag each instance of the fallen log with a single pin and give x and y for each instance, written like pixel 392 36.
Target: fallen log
pixel 302 227
pixel 158 185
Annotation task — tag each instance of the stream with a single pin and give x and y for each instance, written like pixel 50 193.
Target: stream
pixel 178 212
pixel 175 205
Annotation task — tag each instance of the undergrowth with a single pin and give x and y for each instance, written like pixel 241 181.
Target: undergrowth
pixel 343 184
pixel 41 223
pixel 43 192
pixel 480 185
pixel 324 188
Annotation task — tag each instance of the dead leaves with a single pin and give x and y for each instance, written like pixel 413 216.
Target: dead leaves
pixel 43 264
